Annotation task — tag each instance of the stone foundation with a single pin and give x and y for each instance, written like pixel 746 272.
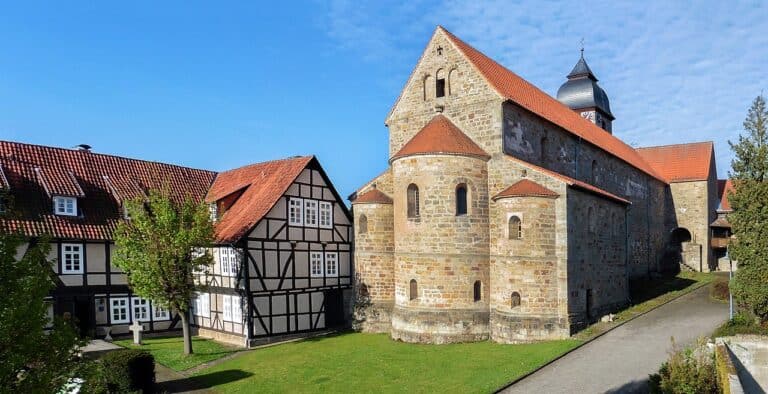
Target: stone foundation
pixel 439 326
pixel 232 339
pixel 373 317
pixel 507 328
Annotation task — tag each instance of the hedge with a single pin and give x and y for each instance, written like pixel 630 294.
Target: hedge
pixel 128 370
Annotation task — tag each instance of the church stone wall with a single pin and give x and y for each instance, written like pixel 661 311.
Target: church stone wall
pixel 692 210
pixel 530 138
pixel 597 257
pixel 444 253
pixel 374 267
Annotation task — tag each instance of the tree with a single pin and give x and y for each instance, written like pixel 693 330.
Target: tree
pixel 33 361
pixel 156 250
pixel 750 211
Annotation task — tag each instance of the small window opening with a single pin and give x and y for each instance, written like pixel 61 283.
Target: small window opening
pixel 413 201
pixel 594 171
pixel 362 226
pixel 515 228
pixel 543 152
pixel 414 293
pixel 461 200
pixel 591 220
pixel 515 300
pixel 478 288
pixel 440 88
pixel 439 51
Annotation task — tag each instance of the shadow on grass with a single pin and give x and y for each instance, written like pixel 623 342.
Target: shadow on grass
pixel 203 381
pixel 644 290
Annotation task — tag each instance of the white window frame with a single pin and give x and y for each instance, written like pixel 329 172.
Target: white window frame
pixel 295 211
pixel 122 304
pixel 65 206
pixel 202 305
pixel 227 308
pixel 229 261
pixel 332 264
pixel 75 251
pixel 213 211
pixel 140 309
pixel 316 264
pixel 326 214
pixel 159 313
pixel 237 310
pixel 310 213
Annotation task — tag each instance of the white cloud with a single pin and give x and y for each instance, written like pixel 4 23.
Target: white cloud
pixel 674 72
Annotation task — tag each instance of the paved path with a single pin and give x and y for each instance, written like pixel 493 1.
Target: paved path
pixel 621 360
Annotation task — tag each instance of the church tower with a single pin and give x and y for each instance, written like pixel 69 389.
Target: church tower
pixel 582 94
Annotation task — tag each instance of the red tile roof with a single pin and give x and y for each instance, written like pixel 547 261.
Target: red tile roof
pixel 571 182
pixel 35 173
pixel 682 162
pixel 724 187
pixel 526 188
pixel 373 196
pixel 523 93
pixel 264 184
pixel 440 136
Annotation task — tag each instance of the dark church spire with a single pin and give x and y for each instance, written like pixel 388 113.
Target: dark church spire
pixel 582 94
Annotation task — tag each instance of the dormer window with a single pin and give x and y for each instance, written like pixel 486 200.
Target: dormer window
pixel 66 206
pixel 213 210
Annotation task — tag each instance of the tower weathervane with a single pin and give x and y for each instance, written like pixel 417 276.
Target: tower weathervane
pixel 582 47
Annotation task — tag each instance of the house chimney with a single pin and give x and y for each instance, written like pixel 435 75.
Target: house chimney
pixel 83 148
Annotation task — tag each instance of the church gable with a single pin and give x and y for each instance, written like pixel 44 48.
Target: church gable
pixel 443 81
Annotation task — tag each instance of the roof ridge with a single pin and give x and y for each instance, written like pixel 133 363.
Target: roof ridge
pixel 566 118
pixel 71 151
pixel 678 144
pixel 297 157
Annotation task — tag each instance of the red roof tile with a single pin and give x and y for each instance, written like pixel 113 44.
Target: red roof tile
pixel 440 136
pixel 724 188
pixel 572 182
pixel 264 184
pixel 682 162
pixel 526 188
pixel 373 196
pixel 34 173
pixel 523 93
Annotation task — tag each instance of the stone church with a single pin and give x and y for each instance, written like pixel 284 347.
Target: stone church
pixel 510 215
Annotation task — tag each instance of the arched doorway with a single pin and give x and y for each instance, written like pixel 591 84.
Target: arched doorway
pixel 684 250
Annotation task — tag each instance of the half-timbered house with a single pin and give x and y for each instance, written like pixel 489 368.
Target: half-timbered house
pixel 282 255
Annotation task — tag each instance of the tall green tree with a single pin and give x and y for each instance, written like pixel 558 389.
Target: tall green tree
pixel 750 211
pixel 32 360
pixel 156 249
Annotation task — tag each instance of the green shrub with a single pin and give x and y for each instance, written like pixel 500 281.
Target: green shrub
pixel 688 371
pixel 128 370
pixel 742 323
pixel 720 290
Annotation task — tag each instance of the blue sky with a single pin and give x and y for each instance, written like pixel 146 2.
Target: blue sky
pixel 221 84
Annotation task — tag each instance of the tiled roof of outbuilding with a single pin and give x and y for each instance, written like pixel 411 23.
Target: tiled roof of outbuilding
pixel 35 173
pixel 724 187
pixel 526 188
pixel 680 162
pixel 373 196
pixel 440 136
pixel 263 184
pixel 523 93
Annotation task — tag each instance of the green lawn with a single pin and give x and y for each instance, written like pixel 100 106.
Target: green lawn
pixel 356 362
pixel 169 351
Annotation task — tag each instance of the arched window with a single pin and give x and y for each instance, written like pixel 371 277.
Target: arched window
pixel 453 81
pixel 428 87
pixel 515 300
pixel 593 174
pixel 413 201
pixel 362 224
pixel 515 228
pixel 478 288
pixel 461 200
pixel 440 83
pixel 414 290
pixel 543 152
